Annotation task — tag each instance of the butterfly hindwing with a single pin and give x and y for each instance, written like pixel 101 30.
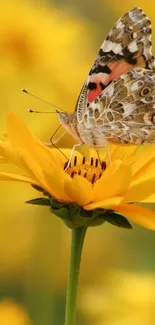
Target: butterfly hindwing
pixel 125 111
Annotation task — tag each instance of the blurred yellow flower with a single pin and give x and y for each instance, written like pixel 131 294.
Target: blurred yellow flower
pixel 39 44
pixel 129 179
pixel 13 314
pixel 124 298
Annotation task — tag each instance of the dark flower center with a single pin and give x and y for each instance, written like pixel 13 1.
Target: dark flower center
pixel 91 170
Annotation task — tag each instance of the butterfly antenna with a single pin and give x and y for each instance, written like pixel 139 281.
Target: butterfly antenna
pixel 46 102
pixel 40 112
pixel 42 100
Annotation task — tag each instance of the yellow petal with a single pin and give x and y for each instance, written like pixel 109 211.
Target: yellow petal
pixel 78 189
pixel 8 152
pixel 122 152
pixel 29 165
pixel 14 177
pixel 142 161
pixel 148 170
pixel 149 199
pixel 36 173
pixel 140 189
pixel 55 182
pixel 105 204
pixel 3 160
pixel 21 138
pixel 114 182
pixel 142 216
pixel 52 182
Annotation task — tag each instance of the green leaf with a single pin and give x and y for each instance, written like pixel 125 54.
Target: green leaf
pixel 74 216
pixel 118 220
pixel 61 213
pixel 38 188
pixel 39 201
pixel 85 214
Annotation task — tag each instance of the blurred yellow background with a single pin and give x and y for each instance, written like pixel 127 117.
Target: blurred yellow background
pixel 48 47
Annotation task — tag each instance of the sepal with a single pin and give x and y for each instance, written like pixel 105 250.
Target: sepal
pixel 74 216
pixel 39 201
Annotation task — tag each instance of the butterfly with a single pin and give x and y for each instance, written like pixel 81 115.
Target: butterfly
pixel 117 101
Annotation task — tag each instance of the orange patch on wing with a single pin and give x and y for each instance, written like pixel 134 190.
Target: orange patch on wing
pixel 92 94
pixel 117 69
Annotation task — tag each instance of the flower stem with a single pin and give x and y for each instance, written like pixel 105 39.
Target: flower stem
pixel 78 235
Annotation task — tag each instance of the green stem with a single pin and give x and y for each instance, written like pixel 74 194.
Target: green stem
pixel 78 235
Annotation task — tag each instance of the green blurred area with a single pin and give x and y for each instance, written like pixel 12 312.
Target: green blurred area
pixel 48 48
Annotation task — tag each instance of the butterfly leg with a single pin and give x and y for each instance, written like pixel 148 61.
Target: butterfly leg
pixel 71 155
pixel 109 154
pixel 53 142
pixel 99 159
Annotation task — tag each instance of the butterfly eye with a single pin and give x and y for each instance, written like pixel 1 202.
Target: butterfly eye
pixel 145 91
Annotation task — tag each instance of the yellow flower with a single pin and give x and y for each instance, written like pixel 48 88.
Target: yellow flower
pixel 12 313
pixel 124 298
pixel 87 184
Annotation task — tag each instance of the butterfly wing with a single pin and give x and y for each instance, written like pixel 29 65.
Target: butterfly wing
pixel 125 111
pixel 127 46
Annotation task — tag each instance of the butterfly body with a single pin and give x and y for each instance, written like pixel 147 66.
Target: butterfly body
pixel 117 101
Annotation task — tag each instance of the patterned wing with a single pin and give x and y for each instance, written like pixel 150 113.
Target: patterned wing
pixel 125 111
pixel 127 46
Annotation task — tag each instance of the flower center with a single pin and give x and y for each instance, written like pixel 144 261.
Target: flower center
pixel 92 170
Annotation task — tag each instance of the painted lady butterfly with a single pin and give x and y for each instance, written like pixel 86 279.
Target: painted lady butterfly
pixel 117 101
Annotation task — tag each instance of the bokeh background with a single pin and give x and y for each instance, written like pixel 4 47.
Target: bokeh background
pixel 48 47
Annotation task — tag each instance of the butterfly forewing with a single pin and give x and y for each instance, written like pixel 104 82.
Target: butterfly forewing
pixel 127 46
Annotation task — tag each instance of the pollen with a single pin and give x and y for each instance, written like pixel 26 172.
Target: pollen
pixel 92 170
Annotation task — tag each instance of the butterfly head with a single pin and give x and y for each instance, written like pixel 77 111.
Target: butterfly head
pixel 69 122
pixel 64 118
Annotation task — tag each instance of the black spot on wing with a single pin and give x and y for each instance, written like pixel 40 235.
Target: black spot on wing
pixel 101 68
pixel 147 63
pixel 101 52
pixel 129 57
pixel 92 85
pixel 102 86
pixel 106 69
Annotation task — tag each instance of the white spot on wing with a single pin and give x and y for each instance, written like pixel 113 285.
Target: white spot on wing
pixel 119 25
pixel 107 46
pixel 117 48
pixel 150 37
pixel 111 46
pixel 110 91
pixel 133 47
pixel 136 85
pixel 129 108
pixel 134 35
